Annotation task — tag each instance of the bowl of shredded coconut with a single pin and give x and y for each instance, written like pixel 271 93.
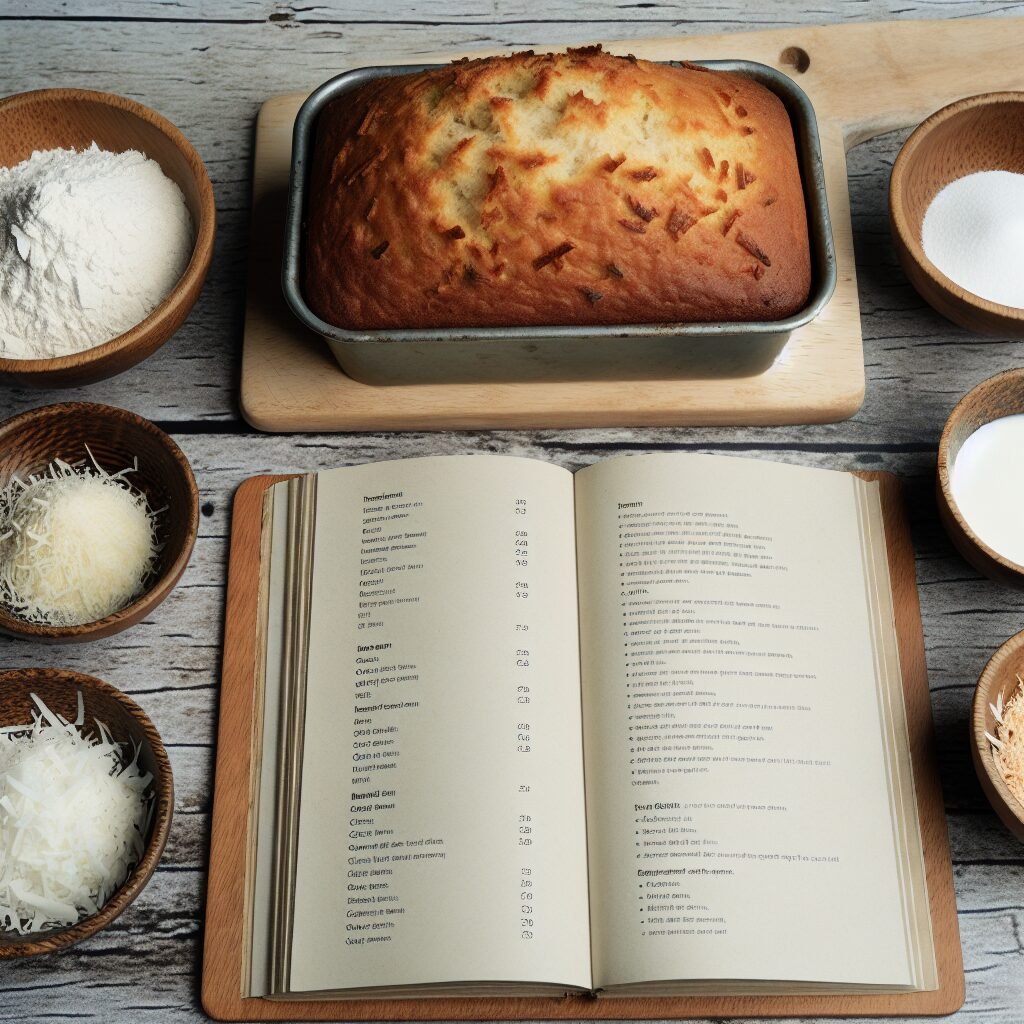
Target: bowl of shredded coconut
pixel 107 223
pixel 86 799
pixel 99 512
pixel 956 206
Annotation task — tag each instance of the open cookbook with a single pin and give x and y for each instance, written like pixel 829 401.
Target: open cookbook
pixel 634 731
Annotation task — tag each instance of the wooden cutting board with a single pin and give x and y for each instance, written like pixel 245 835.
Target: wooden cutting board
pixel 863 80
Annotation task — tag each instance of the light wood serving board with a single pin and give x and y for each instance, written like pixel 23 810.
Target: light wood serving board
pixel 863 79
pixel 239 741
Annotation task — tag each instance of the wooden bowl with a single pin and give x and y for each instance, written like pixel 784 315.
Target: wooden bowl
pixel 980 133
pixel 74 119
pixel 999 677
pixel 127 723
pixel 1001 395
pixel 115 437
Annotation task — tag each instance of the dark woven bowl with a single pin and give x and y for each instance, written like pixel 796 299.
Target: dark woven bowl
pixel 31 441
pixel 127 723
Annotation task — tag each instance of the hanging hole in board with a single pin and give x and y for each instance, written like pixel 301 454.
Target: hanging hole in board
pixel 795 57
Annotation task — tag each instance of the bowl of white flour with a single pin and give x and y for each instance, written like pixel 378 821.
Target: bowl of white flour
pixel 107 223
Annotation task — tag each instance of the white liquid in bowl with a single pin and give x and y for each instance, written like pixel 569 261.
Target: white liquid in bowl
pixel 987 481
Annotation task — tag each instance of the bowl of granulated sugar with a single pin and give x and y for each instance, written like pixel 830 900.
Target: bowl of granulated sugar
pixel 956 205
pixel 107 222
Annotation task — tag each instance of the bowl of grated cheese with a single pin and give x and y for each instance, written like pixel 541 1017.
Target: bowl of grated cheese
pixel 86 799
pixel 997 733
pixel 99 512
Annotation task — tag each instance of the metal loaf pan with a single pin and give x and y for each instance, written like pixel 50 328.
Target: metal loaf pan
pixel 615 352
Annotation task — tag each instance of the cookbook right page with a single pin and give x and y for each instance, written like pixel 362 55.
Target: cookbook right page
pixel 742 823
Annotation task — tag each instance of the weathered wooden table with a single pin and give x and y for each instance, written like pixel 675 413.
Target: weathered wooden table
pixel 207 66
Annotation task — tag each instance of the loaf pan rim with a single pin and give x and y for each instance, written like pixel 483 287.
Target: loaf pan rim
pixel 808 144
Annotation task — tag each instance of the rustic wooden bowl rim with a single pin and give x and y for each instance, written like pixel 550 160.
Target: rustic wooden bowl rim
pixel 993 670
pixel 162 813
pixel 202 246
pixel 162 586
pixel 911 238
pixel 943 467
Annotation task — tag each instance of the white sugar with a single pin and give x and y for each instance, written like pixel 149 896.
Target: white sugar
pixel 973 232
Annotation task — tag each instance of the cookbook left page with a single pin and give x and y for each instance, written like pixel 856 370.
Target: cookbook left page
pixel 441 837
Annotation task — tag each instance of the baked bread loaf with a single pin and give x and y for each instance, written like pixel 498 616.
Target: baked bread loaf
pixel 575 188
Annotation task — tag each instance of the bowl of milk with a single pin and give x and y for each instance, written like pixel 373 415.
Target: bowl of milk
pixel 981 477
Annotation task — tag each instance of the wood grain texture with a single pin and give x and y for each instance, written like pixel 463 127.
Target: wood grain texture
pixel 235 796
pixel 288 14
pixel 207 65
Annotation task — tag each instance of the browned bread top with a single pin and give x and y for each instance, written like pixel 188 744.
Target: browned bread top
pixel 555 189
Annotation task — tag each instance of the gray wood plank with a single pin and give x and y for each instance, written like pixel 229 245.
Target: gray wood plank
pixel 194 61
pixel 290 14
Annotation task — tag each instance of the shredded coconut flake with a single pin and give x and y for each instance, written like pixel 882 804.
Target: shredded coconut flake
pixel 73 815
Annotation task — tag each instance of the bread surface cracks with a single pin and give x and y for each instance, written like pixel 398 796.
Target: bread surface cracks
pixel 578 188
pixel 566 135
pixel 548 132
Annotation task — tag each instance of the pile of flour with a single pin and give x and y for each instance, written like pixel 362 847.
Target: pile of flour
pixel 91 243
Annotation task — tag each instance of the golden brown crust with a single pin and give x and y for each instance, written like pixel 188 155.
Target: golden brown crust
pixel 576 188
